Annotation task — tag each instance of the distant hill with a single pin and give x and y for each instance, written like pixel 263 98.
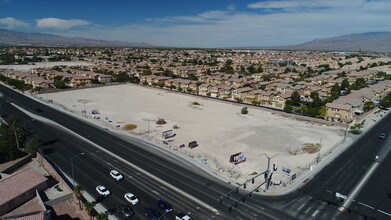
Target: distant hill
pixel 372 41
pixel 14 38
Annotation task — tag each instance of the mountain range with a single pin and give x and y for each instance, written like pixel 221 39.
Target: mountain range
pixel 14 38
pixel 371 41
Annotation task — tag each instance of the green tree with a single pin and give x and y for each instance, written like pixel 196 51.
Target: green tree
pixel 288 108
pixel 78 190
pixel 322 111
pixel 386 101
pixel 102 216
pixel 295 98
pixel 59 84
pixel 58 77
pixel 251 69
pixel 32 145
pixel 313 111
pixel 89 207
pixel 303 109
pixel 345 85
pixel 358 84
pixel 335 91
pixel 369 106
pixel 244 111
pixel 316 101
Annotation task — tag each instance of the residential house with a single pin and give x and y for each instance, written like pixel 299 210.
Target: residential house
pixel 240 93
pixel 339 112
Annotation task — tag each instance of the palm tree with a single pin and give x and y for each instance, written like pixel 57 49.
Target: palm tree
pixel 89 207
pixel 102 216
pixel 78 190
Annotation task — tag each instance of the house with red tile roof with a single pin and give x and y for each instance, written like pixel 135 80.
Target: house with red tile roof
pixel 339 112
pixel 20 187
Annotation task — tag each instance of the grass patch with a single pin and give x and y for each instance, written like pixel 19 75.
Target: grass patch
pixel 128 127
pixel 308 148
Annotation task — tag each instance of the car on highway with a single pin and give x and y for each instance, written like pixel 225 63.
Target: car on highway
pixel 153 213
pixel 125 209
pixel 382 136
pixel 116 175
pixel 130 197
pixel 163 206
pixel 103 191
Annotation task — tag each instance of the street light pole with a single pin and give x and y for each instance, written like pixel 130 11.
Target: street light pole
pixel 268 168
pixel 73 175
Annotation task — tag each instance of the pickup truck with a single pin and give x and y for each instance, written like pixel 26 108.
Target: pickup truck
pixel 181 216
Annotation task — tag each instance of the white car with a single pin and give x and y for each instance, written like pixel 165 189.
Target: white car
pixel 131 198
pixel 103 191
pixel 116 175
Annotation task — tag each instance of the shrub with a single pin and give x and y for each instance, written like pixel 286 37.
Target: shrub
pixel 196 103
pixel 244 110
pixel 129 127
pixel 32 145
pixel 288 108
pixel 175 126
pixel 161 121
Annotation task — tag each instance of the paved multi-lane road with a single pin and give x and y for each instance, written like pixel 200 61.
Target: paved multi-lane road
pixel 152 174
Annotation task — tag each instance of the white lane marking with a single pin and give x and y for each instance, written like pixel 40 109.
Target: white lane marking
pixel 302 205
pixel 358 187
pixel 306 211
pixel 119 159
pixel 315 213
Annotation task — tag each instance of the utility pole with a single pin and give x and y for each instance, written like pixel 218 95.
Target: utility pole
pixel 268 174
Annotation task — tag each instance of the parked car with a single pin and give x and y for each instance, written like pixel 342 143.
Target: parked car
pixel 125 209
pixel 103 191
pixel 163 206
pixel 116 175
pixel 131 198
pixel 181 216
pixel 153 213
pixel 382 136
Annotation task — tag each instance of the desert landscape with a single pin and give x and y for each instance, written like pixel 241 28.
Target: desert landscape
pixel 219 128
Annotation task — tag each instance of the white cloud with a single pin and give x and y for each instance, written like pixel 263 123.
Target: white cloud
pixel 290 4
pixel 231 7
pixel 12 23
pixel 227 28
pixel 60 24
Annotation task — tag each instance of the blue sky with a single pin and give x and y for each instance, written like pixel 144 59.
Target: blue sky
pixel 198 23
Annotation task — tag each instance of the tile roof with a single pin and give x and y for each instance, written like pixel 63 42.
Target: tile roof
pixel 18 183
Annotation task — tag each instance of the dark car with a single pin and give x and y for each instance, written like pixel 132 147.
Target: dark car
pixel 382 136
pixel 153 213
pixel 125 209
pixel 163 206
